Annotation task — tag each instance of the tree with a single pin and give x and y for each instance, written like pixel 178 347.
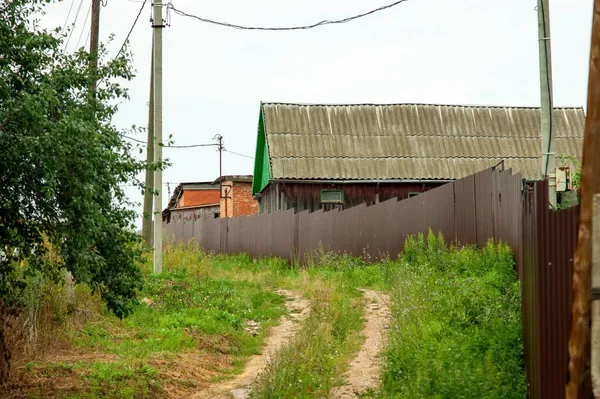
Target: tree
pixel 63 164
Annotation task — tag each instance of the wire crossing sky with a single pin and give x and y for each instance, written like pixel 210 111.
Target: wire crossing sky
pixel 284 28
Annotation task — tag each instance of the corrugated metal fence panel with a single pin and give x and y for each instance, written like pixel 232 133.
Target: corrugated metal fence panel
pixel 484 212
pixel 198 227
pixel 464 208
pixel 549 242
pixel 282 234
pixel 387 239
pixel 529 297
pixel 188 230
pixel 223 228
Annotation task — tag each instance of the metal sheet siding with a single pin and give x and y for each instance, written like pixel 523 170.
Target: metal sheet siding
pixel 549 241
pixel 409 141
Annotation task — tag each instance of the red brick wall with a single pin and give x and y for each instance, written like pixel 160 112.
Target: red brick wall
pixel 199 197
pixel 243 203
pixel 240 202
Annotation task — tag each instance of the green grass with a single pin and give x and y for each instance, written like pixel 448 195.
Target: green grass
pixel 195 310
pixel 456 329
pixel 457 324
pixel 314 361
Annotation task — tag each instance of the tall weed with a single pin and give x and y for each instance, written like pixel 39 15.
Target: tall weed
pixel 457 323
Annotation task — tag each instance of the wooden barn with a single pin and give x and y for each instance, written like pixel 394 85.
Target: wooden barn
pixel 337 156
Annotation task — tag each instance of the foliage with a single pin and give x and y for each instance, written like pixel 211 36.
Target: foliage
pixel 63 163
pixel 569 160
pixel 191 310
pixel 457 323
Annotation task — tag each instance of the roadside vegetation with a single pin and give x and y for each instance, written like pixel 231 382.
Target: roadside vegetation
pixel 455 329
pixel 457 323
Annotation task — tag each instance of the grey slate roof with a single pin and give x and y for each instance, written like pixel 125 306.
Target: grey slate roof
pixel 410 141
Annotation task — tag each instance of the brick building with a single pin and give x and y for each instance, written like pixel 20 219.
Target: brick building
pixel 201 200
pixel 236 196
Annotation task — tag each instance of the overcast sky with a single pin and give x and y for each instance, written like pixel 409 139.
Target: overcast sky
pixel 421 51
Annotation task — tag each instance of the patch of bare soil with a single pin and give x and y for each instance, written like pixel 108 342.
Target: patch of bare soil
pixel 364 372
pixel 298 309
pixel 50 377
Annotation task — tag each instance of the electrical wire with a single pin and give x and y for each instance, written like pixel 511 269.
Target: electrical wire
pixel 131 30
pixel 84 23
pixel 191 145
pixel 134 139
pixel 237 153
pixel 68 15
pixel 172 146
pixel 277 28
pixel 74 22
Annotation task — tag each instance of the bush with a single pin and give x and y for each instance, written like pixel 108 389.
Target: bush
pixel 457 329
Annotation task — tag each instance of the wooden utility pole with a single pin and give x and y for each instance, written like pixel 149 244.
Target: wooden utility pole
pixel 579 385
pixel 548 147
pixel 149 191
pixel 94 43
pixel 157 25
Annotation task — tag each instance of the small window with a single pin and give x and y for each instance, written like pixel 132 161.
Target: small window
pixel 413 194
pixel 332 196
pixel 217 215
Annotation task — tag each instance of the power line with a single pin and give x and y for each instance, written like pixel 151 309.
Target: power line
pixel 241 155
pixel 68 15
pixel 74 22
pixel 190 146
pixel 131 30
pixel 84 23
pixel 172 146
pixel 276 28
pixel 134 139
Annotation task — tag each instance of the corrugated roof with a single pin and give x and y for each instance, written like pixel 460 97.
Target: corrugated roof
pixel 410 141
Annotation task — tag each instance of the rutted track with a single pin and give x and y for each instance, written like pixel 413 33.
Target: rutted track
pixel 365 369
pixel 298 309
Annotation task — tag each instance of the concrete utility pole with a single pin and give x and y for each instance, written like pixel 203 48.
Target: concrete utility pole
pixel 94 43
pixel 548 147
pixel 579 385
pixel 157 25
pixel 149 192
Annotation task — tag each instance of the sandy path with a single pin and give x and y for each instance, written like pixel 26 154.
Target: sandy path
pixel 365 369
pixel 298 309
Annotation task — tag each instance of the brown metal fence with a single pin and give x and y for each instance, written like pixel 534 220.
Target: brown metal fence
pixel 547 248
pixel 491 204
pixel 468 211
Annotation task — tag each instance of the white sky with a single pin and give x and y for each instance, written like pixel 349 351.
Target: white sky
pixel 422 51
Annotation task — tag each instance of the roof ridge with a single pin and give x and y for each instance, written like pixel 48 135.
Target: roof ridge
pixel 479 136
pixel 418 104
pixel 406 157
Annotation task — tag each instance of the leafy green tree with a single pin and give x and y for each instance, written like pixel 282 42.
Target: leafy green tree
pixel 63 164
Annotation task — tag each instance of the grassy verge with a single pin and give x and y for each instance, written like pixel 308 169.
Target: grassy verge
pixel 456 329
pixel 188 329
pixel 457 324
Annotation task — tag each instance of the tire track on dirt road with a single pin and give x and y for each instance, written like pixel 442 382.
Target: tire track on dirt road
pixel 298 309
pixel 364 372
